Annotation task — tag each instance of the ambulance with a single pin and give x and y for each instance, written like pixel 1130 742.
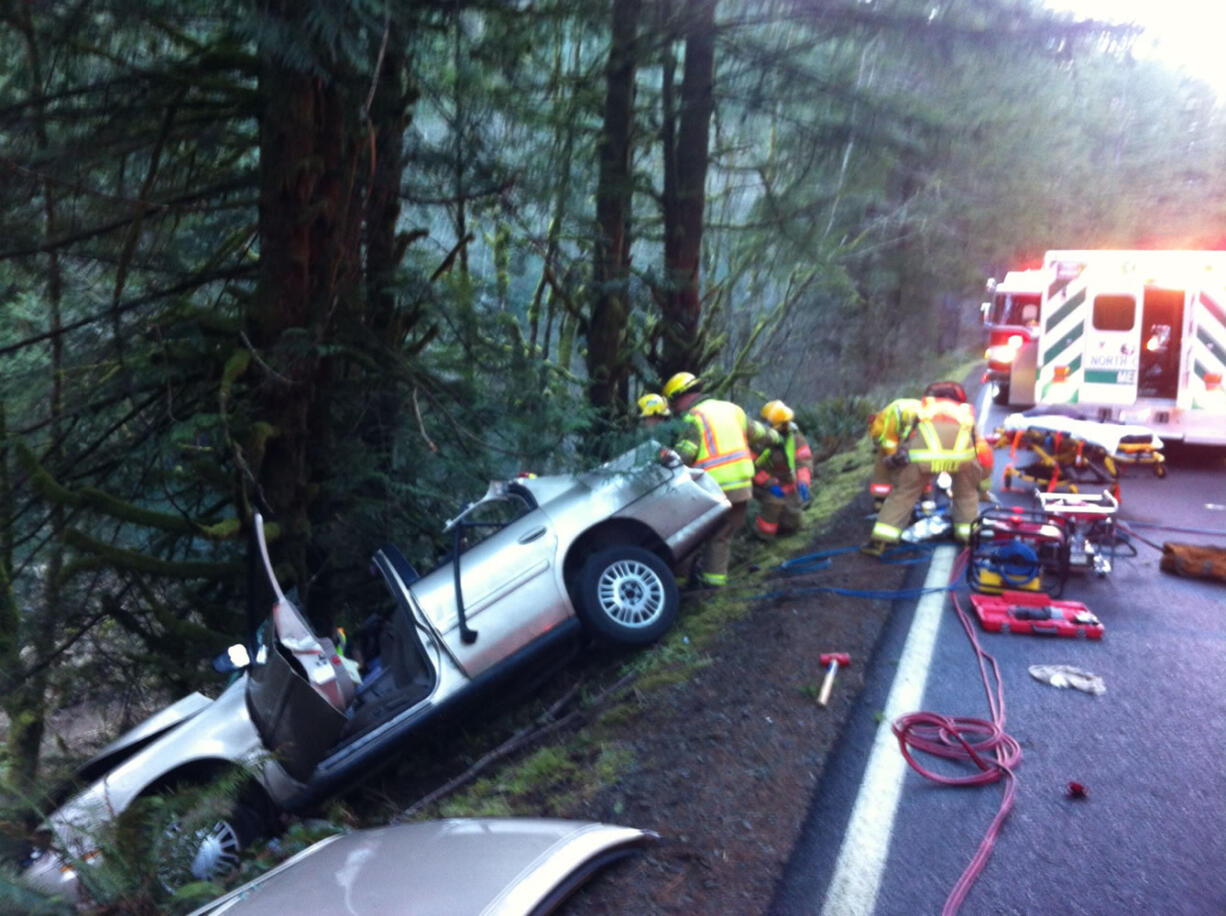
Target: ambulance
pixel 1136 337
pixel 1011 317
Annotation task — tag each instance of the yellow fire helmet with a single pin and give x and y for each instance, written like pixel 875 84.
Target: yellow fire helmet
pixel 777 414
pixel 681 383
pixel 653 405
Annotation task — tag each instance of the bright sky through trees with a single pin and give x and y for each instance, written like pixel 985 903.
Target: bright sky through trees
pixel 1187 34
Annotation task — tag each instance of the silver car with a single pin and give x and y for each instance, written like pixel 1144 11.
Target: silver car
pixel 488 866
pixel 537 563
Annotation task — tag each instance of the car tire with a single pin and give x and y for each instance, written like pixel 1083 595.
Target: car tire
pixel 204 846
pixel 627 595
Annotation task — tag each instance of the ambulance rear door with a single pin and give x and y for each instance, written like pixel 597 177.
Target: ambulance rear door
pixel 1062 329
pixel 1201 397
pixel 1113 337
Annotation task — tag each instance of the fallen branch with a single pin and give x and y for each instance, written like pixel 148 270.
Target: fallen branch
pixel 544 725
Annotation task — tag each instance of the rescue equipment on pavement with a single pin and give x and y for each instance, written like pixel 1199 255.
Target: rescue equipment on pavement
pixel 1195 561
pixel 1068 532
pixel 1011 549
pixel 1035 613
pixel 1070 451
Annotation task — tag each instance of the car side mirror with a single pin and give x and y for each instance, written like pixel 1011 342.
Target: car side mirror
pixel 235 658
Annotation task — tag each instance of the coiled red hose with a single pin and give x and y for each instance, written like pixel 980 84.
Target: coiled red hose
pixel 979 741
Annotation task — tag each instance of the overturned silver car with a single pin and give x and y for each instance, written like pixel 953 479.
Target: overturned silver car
pixel 537 562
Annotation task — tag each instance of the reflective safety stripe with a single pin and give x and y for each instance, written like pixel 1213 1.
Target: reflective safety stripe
pixel 687 450
pixel 725 454
pixel 714 579
pixel 880 489
pixel 884 532
pixel 937 456
pixel 761 478
pixel 804 475
pixel 766 527
pixel 962 531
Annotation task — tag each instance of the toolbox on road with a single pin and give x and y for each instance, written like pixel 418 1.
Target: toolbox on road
pixel 1035 613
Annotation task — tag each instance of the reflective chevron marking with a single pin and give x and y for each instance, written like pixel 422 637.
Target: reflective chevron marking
pixel 1066 325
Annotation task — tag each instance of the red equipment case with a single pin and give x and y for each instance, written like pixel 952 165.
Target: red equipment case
pixel 1037 613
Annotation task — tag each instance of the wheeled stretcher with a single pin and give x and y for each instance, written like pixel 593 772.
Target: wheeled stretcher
pixel 1070 452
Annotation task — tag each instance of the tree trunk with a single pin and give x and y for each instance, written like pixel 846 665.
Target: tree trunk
pixel 606 359
pixel 26 703
pixel 309 282
pixel 683 210
pixel 388 119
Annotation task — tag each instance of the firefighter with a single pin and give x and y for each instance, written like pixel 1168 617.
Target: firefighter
pixel 717 437
pixel 885 429
pixel 653 410
pixel 782 475
pixel 938 434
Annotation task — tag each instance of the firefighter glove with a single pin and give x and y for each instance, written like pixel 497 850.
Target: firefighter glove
pixel 900 459
pixel 776 490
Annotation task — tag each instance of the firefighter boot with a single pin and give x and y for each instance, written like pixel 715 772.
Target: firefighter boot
pixel 874 547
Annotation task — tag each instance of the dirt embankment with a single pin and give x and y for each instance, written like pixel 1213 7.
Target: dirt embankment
pixel 725 763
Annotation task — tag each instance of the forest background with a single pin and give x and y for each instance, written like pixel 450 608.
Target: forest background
pixel 343 261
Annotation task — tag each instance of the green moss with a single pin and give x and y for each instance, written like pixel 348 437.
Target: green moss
pixel 235 366
pixel 621 714
pixel 543 769
pixel 476 804
pixel 653 680
pixel 223 530
pixel 612 761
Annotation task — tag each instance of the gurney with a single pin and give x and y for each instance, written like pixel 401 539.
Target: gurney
pixel 1069 450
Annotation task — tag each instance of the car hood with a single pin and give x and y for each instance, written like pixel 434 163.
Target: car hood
pixel 131 741
pixel 500 866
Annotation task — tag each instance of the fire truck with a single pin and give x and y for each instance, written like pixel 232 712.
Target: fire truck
pixel 1130 336
pixel 1012 319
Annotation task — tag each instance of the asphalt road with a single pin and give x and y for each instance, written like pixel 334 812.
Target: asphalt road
pixel 1150 835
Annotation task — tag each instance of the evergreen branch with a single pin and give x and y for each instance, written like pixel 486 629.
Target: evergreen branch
pixel 135 561
pixel 172 206
pixel 192 283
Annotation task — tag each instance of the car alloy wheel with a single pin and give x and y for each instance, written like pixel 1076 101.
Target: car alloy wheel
pixel 204 846
pixel 628 595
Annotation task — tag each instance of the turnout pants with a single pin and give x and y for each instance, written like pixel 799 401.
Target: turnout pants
pixel 881 481
pixel 776 515
pixel 895 515
pixel 718 549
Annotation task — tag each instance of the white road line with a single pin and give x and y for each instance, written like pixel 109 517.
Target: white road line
pixel 861 861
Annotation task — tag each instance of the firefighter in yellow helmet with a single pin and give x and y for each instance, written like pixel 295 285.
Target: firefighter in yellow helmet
pixel 653 409
pixel 717 437
pixel 934 434
pixel 782 475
